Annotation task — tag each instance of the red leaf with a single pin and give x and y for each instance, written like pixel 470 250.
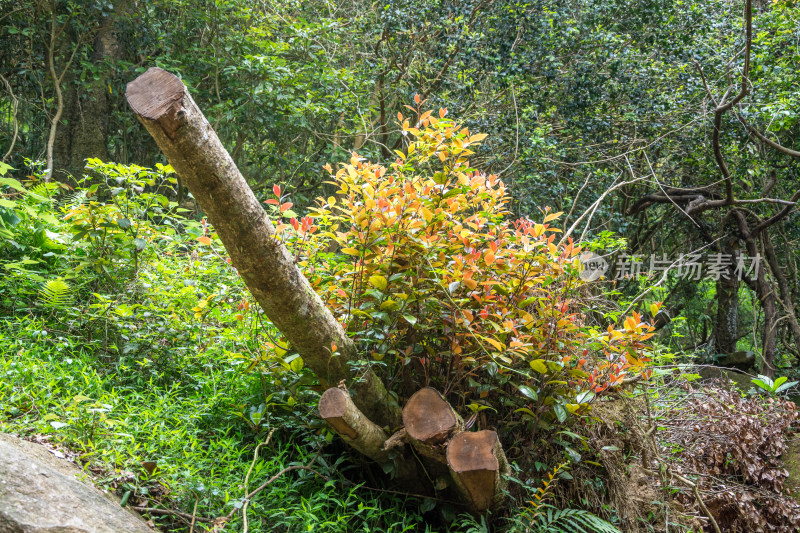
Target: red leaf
pixel 272 201
pixel 285 206
pixel 277 190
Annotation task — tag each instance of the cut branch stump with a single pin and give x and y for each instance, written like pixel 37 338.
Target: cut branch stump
pixel 430 421
pixel 477 465
pixel 342 415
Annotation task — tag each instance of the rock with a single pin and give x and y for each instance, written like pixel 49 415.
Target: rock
pixel 741 360
pixel 742 380
pixel 41 493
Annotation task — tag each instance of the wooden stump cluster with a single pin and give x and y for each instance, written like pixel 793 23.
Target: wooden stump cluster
pixel 469 464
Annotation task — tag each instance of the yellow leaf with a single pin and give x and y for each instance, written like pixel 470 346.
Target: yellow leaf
pixel 478 137
pixel 389 305
pixel 351 251
pixel 552 216
pixel 495 343
pixel 379 282
pixel 633 360
pixel 539 366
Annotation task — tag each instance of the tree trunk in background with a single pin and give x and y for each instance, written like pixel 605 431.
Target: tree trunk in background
pixel 787 298
pixel 164 106
pixel 726 327
pixel 83 131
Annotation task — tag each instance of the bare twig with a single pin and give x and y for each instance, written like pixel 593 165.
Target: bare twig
pixel 590 212
pixel 700 502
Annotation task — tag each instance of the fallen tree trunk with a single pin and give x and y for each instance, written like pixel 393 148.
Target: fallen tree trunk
pixel 163 105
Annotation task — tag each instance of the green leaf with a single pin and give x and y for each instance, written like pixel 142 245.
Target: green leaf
pixel 529 392
pixel 560 412
pixel 14 184
pixel 411 319
pixel 761 384
pixel 786 386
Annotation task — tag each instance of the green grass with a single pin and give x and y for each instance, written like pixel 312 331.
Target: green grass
pixel 202 449
pixel 126 377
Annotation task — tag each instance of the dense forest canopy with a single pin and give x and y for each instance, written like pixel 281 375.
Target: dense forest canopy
pixel 518 143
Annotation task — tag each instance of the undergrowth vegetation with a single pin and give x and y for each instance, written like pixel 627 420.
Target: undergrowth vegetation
pixel 129 343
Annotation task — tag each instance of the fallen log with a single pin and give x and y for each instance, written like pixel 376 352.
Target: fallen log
pixel 477 465
pixel 164 106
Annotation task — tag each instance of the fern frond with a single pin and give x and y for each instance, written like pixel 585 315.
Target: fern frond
pixel 548 519
pixel 40 189
pixel 56 293
pixel 73 199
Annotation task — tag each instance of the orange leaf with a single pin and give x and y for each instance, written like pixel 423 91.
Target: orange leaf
pixel 204 240
pixel 276 189
pixel 285 206
pixel 488 256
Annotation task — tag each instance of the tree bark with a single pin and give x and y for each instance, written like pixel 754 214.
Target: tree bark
pixel 168 112
pixel 726 328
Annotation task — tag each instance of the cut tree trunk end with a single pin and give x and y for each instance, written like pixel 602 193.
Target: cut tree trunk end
pixel 477 465
pixel 430 422
pixel 342 415
pixel 363 435
pixel 166 109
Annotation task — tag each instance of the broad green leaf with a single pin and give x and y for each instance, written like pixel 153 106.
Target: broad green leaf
pixel 560 412
pixel 529 392
pixel 411 319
